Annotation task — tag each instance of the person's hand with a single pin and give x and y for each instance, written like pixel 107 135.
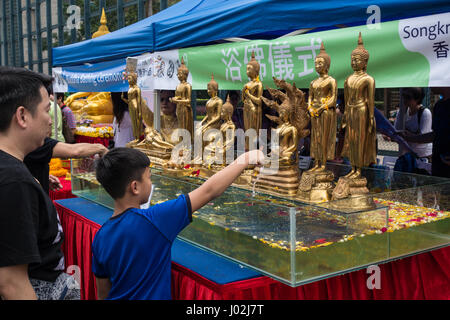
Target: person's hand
pixel 54 183
pixel 254 157
pixel 102 150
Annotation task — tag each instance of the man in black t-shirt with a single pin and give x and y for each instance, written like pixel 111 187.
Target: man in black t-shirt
pixel 31 260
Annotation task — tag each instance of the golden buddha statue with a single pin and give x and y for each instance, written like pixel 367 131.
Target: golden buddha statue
pixel 322 108
pixel 316 184
pixel 251 97
pixel 136 105
pixel 77 101
pixel 95 106
pixel 213 111
pixel 183 100
pixel 283 177
pixel 227 130
pixel 158 145
pixel 360 135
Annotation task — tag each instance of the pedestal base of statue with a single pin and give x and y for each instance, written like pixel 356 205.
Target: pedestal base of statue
pixel 158 157
pixel 352 195
pixel 207 172
pixel 283 181
pixel 316 186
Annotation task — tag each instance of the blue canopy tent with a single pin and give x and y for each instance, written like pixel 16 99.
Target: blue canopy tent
pixel 199 22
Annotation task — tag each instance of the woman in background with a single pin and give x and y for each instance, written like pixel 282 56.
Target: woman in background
pixel 123 130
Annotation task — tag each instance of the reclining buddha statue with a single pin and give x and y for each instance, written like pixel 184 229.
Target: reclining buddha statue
pixel 95 106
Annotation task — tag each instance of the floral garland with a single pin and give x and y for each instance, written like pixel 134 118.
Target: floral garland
pixel 56 168
pixel 96 132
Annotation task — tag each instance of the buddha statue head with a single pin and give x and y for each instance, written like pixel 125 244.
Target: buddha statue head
pixel 323 61
pixel 227 110
pixel 132 78
pixel 183 71
pixel 360 56
pixel 213 87
pixel 253 67
pixel 284 112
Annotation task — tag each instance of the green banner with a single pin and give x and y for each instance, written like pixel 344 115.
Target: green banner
pixel 391 64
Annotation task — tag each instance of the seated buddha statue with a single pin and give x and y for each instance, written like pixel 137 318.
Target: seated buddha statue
pixel 212 119
pixel 217 152
pixel 281 176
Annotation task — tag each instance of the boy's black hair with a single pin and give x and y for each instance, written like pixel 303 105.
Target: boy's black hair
pixel 19 87
pixel 118 168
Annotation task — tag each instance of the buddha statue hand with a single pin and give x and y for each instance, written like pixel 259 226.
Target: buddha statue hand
pixel 123 98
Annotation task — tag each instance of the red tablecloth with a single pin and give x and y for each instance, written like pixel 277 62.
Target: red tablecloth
pixel 423 276
pixel 86 139
pixel 64 193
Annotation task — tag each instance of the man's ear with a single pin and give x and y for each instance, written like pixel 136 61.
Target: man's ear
pixel 21 116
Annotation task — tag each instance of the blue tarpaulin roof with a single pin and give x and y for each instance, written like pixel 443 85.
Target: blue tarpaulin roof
pixel 195 22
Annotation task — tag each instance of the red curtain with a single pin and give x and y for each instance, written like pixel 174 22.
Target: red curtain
pixel 78 236
pixel 422 276
pixel 64 193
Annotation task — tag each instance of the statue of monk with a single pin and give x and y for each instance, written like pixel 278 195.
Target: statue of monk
pixel 322 109
pixel 213 110
pixel 359 121
pixel 227 130
pixel 251 97
pixel 135 106
pixel 155 141
pixel 183 100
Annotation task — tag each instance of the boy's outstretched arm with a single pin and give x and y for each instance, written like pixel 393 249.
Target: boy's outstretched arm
pixel 218 183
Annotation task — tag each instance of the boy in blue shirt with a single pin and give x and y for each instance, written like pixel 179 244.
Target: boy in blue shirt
pixel 132 250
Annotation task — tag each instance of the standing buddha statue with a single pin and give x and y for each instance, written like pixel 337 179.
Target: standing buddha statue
pixel 360 135
pixel 135 107
pixel 251 97
pixel 213 110
pixel 182 99
pixel 316 184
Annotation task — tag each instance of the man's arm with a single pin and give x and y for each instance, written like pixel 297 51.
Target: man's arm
pixel 218 183
pixel 15 284
pixel 78 150
pixel 103 288
pixel 420 138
